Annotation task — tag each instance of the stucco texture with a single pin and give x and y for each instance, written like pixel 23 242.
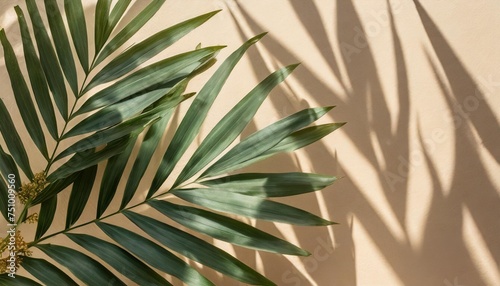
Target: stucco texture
pixel 419 86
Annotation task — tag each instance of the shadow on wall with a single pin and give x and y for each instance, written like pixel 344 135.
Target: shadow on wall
pixel 443 256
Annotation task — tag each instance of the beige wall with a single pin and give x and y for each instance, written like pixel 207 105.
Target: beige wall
pixel 419 86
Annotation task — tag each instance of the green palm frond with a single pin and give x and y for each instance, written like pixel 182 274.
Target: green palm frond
pixel 132 112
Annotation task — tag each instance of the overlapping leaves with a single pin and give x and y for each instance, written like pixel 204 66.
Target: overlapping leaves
pixel 107 126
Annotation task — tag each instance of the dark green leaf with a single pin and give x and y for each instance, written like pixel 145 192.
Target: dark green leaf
pixel 78 29
pixel 49 61
pixel 130 29
pixel 22 96
pixel 249 206
pixel 154 255
pixel 61 42
pixel 8 166
pixel 147 149
pixel 197 249
pixel 176 67
pixel 83 160
pixel 54 188
pixel 80 193
pixel 225 228
pixel 263 140
pixel 4 199
pixel 271 185
pixel 88 270
pixel 146 49
pixel 119 259
pixel 5 280
pixel 136 124
pixel 46 272
pixel 101 23
pixel 112 175
pixel 13 141
pixel 191 123
pixel 116 14
pixel 116 113
pixel 46 217
pixel 231 125
pixel 37 77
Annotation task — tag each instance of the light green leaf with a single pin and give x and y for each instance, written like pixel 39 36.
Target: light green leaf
pixel 78 29
pixel 82 187
pixel 146 49
pixel 84 159
pixel 249 206
pixel 46 272
pixel 13 141
pixel 101 23
pixel 154 255
pixel 170 69
pixel 37 77
pixel 23 97
pixel 271 185
pixel 197 250
pixel 119 259
pixel 225 228
pixel 191 123
pixel 49 60
pixel 54 188
pixel 263 140
pixel 231 125
pixel 46 216
pixel 112 175
pixel 61 42
pixel 294 141
pixel 130 29
pixel 18 281
pixel 88 270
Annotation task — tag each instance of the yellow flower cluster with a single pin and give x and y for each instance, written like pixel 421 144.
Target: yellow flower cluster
pixel 32 189
pixel 32 218
pixel 21 249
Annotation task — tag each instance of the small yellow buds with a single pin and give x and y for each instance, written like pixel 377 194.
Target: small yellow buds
pixel 30 190
pixel 32 218
pixel 14 248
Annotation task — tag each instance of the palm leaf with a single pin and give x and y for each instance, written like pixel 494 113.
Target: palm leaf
pixel 48 58
pixel 46 272
pixel 225 228
pixel 13 141
pixel 146 49
pixel 249 206
pixel 18 281
pixel 231 125
pixel 37 78
pixel 88 270
pixel 80 194
pixel 197 249
pixel 130 29
pixel 263 140
pixel 23 96
pixel 104 129
pixel 271 185
pixel 197 112
pixel 78 28
pixel 154 254
pixel 119 259
pixel 61 42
